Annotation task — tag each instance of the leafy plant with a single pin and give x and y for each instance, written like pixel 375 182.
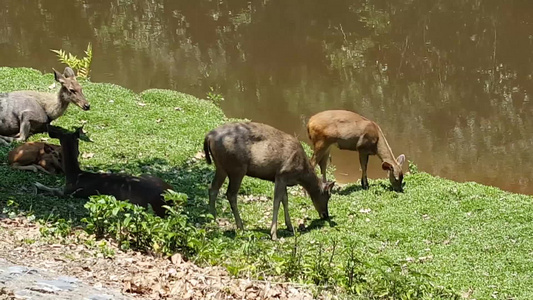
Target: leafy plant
pixel 81 65
pixel 135 227
pixel 214 97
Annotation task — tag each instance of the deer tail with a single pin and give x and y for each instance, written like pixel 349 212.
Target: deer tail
pixel 207 149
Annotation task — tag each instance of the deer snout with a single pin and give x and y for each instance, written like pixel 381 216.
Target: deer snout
pixel 86 106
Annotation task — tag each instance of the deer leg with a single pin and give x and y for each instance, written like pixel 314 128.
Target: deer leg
pixel 5 140
pixel 25 127
pixel 363 160
pixel 323 163
pixel 217 182
pixel 318 148
pixel 280 191
pixel 54 191
pixel 285 201
pixel 34 168
pixel 233 190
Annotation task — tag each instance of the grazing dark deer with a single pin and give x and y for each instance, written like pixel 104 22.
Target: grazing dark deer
pixel 36 156
pixel 264 152
pixel 351 131
pixel 25 112
pixel 144 190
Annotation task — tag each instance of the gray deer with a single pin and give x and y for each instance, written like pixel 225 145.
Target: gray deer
pixel 23 113
pixel 262 151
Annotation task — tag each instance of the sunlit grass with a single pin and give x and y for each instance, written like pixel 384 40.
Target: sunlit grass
pixel 472 238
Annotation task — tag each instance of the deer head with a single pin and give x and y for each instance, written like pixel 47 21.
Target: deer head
pixel 71 89
pixel 395 173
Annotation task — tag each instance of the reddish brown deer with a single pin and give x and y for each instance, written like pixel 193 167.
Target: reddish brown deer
pixel 26 112
pixel 351 131
pixel 36 156
pixel 144 190
pixel 264 152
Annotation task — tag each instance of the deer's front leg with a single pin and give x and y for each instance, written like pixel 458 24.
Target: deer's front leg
pixel 279 189
pixel 25 126
pixel 285 201
pixel 363 159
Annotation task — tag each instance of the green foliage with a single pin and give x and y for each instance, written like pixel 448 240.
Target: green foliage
pixel 214 97
pixel 81 65
pixel 58 228
pixel 134 227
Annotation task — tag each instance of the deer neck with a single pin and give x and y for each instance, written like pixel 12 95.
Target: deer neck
pixel 311 183
pixel 71 166
pixel 55 106
pixel 384 152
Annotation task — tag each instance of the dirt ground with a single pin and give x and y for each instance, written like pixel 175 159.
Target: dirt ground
pixel 136 275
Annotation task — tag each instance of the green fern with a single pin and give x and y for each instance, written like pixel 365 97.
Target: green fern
pixel 82 66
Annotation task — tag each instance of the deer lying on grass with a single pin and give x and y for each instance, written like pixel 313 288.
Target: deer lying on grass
pixel 36 156
pixel 25 112
pixel 264 152
pixel 144 190
pixel 351 131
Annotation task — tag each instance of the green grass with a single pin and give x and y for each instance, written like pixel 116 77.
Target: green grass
pixel 379 244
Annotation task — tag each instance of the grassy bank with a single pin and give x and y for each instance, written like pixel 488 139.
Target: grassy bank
pixel 436 238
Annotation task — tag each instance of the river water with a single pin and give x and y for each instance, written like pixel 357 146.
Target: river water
pixel 447 80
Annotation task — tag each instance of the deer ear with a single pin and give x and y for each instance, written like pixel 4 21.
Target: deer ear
pixel 69 73
pixel 79 131
pixel 58 76
pixel 400 159
pixel 386 166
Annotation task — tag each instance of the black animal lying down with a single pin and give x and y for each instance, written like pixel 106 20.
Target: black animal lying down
pixel 144 190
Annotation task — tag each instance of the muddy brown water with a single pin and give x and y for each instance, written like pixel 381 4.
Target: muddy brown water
pixel 448 81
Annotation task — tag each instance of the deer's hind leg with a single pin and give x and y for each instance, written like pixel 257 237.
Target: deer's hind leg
pixel 235 181
pixel 6 140
pixel 321 156
pixel 218 180
pixel 34 168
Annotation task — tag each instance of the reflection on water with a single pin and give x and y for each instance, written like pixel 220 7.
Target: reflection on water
pixel 448 81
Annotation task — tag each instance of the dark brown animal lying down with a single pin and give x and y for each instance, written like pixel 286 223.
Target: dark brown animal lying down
pixel 36 156
pixel 144 190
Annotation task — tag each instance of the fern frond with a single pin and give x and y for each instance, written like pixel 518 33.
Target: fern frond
pixel 82 65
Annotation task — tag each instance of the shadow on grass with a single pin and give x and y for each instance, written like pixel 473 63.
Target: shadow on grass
pixel 17 188
pixel 348 189
pixel 282 230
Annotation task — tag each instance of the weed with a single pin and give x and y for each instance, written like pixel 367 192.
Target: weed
pixel 82 65
pixel 214 97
